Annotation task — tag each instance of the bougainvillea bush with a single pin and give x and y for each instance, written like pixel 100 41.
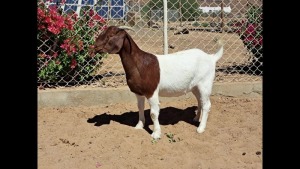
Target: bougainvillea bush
pixel 250 31
pixel 64 42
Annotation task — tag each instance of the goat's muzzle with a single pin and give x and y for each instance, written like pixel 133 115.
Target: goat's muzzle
pixel 91 52
pixel 94 50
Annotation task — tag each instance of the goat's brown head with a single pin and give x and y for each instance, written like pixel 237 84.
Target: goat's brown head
pixel 110 40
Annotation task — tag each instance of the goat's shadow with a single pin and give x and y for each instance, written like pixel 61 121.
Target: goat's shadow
pixel 167 116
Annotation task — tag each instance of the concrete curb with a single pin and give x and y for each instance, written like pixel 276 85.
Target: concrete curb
pixel 106 96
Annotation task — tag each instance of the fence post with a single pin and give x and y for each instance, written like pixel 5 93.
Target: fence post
pixel 165 27
pixel 180 14
pixel 222 16
pixel 108 10
pixel 78 7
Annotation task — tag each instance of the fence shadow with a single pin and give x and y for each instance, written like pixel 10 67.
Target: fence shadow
pixel 167 116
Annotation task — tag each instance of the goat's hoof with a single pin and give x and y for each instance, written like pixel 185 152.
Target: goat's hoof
pixel 155 135
pixel 196 119
pixel 200 130
pixel 140 125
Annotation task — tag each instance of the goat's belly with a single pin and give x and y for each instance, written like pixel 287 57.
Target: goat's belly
pixel 174 88
pixel 172 93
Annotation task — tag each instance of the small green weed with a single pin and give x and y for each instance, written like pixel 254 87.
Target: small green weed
pixel 172 138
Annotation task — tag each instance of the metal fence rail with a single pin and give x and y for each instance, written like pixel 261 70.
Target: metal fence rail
pixel 68 28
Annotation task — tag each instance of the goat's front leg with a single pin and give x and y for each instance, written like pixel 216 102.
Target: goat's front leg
pixel 141 106
pixel 154 113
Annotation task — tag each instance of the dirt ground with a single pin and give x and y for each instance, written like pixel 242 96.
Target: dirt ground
pixel 104 137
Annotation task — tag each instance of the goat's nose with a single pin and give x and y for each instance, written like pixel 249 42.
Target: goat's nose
pixel 92 47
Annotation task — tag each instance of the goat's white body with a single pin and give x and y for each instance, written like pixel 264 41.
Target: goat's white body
pixel 180 72
pixel 186 71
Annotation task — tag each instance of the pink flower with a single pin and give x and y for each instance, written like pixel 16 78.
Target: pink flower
pixel 251 29
pixel 255 42
pixel 40 27
pixel 72 48
pixel 60 22
pixel 104 27
pixel 238 31
pixel 48 20
pixel 55 55
pixel 69 23
pixel 40 13
pixel 80 45
pixel 68 47
pixel 91 24
pixel 73 63
pixel 92 12
pixel 97 17
pixel 67 40
pixel 53 30
pixel 65 45
pixel 53 10
pixel 249 38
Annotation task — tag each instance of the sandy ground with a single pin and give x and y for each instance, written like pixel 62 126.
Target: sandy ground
pixel 104 137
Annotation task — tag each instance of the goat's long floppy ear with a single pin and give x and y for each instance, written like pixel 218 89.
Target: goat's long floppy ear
pixel 115 42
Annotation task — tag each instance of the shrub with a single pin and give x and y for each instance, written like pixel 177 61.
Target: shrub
pixel 189 8
pixel 205 24
pixel 252 35
pixel 250 32
pixel 64 40
pixel 196 24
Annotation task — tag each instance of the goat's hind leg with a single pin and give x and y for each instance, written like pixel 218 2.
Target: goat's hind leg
pixel 205 107
pixel 196 92
pixel 141 106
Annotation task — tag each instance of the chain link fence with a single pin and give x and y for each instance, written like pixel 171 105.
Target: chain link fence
pixel 67 30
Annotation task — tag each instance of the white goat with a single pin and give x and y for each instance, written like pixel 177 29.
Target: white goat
pixel 150 76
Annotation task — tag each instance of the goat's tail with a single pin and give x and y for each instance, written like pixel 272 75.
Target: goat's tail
pixel 219 54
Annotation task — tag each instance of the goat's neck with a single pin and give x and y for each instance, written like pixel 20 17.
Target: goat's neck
pixel 129 48
pixel 141 68
pixel 131 55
